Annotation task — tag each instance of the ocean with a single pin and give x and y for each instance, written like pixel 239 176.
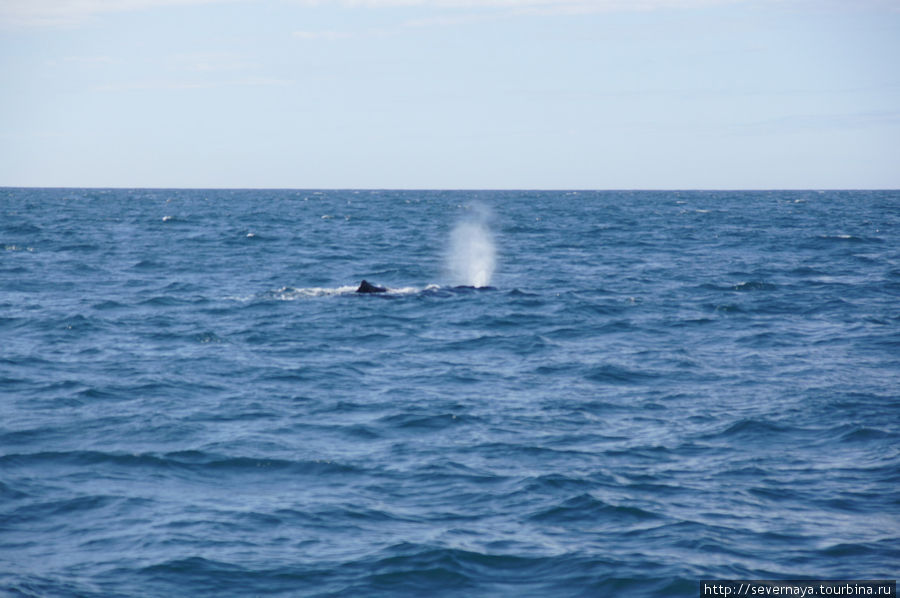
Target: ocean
pixel 560 394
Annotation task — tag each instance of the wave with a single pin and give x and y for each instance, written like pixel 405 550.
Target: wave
pixel 290 293
pixel 190 461
pixel 586 507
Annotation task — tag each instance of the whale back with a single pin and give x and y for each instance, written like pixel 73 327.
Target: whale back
pixel 366 287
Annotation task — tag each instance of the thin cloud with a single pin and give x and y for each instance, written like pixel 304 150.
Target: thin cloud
pixel 821 122
pixel 211 62
pixel 579 6
pixel 170 85
pixel 446 20
pixel 91 60
pixel 75 12
pixel 85 61
pixel 322 35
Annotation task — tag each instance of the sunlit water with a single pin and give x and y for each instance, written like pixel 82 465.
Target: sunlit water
pixel 647 389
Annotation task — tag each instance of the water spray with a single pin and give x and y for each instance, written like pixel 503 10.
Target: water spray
pixel 471 257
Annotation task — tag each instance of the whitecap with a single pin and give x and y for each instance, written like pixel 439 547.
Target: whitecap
pixel 289 293
pixel 292 294
pixel 403 290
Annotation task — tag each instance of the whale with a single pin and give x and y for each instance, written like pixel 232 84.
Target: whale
pixel 366 287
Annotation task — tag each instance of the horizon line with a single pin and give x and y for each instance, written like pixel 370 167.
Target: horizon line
pixel 498 189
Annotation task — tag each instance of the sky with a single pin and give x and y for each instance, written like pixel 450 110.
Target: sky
pixel 452 94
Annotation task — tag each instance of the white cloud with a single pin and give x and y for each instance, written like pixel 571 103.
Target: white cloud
pixel 598 5
pixel 73 12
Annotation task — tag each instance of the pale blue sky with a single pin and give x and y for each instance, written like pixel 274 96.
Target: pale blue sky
pixel 451 93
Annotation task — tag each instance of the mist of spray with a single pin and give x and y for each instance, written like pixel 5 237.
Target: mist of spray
pixel 471 258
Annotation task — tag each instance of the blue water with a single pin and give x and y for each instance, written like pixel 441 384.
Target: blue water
pixel 647 389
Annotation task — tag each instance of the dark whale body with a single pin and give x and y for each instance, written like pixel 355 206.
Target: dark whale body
pixel 366 287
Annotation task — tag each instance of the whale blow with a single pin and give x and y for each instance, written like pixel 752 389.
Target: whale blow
pixel 471 256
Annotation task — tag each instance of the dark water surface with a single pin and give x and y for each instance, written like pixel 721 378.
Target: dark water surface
pixel 656 388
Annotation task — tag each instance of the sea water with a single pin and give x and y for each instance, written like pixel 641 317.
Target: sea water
pixel 561 394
